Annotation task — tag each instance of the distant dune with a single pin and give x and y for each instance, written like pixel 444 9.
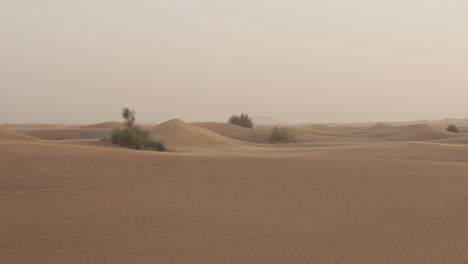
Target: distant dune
pixel 266 120
pixel 65 133
pixel 332 128
pixel 111 124
pixel 177 133
pixel 15 126
pixel 419 132
pixel 378 126
pixel 236 132
pixel 10 135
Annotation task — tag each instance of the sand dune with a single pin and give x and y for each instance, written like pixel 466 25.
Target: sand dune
pixel 304 134
pixel 236 132
pixel 80 204
pixel 110 124
pixel 10 135
pixel 176 133
pixel 333 128
pixel 456 140
pixel 378 126
pixel 377 195
pixel 179 134
pixel 262 134
pixel 66 133
pixel 15 126
pixel 419 132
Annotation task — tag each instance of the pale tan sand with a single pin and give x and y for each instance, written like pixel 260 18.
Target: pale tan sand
pixel 378 126
pixel 14 126
pixel 111 124
pixel 236 132
pixel 418 132
pixel 222 200
pixel 10 135
pixel 177 133
pixel 335 128
pixel 65 133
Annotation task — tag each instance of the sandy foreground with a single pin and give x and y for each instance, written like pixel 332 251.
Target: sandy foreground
pixel 378 194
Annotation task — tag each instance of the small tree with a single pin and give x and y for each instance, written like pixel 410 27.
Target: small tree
pixel 129 116
pixel 243 120
pixel 281 135
pixel 134 136
pixel 452 128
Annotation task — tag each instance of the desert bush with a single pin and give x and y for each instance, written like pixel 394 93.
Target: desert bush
pixel 136 138
pixel 129 116
pixel 242 120
pixel 281 135
pixel 452 128
pixel 131 137
pixel 156 145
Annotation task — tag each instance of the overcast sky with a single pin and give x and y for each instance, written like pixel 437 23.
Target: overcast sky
pixel 81 61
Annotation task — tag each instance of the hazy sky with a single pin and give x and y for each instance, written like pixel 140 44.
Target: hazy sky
pixel 81 61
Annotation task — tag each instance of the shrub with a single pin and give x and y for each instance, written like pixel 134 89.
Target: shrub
pixel 136 138
pixel 132 137
pixel 243 120
pixel 156 145
pixel 452 128
pixel 281 135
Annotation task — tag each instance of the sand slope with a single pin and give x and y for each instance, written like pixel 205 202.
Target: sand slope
pixel 378 126
pixel 177 133
pixel 15 126
pixel 66 133
pixel 334 128
pixel 111 124
pixel 419 132
pixel 381 194
pixel 236 132
pixel 78 204
pixel 10 135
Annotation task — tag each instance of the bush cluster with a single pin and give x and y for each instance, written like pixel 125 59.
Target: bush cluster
pixel 281 135
pixel 136 138
pixel 243 120
pixel 452 128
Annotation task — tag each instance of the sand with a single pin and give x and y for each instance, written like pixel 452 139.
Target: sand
pixel 111 124
pixel 10 135
pixel 380 194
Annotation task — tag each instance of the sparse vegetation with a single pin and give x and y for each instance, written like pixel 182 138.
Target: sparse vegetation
pixel 156 145
pixel 452 128
pixel 281 135
pixel 129 116
pixel 243 120
pixel 133 136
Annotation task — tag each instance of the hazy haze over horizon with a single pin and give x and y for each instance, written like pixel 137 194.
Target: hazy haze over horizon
pixel 298 61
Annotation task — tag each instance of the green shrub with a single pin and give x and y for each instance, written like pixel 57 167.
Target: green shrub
pixel 136 138
pixel 452 128
pixel 131 137
pixel 281 135
pixel 243 120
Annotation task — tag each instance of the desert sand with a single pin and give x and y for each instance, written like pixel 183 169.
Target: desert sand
pixel 378 193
